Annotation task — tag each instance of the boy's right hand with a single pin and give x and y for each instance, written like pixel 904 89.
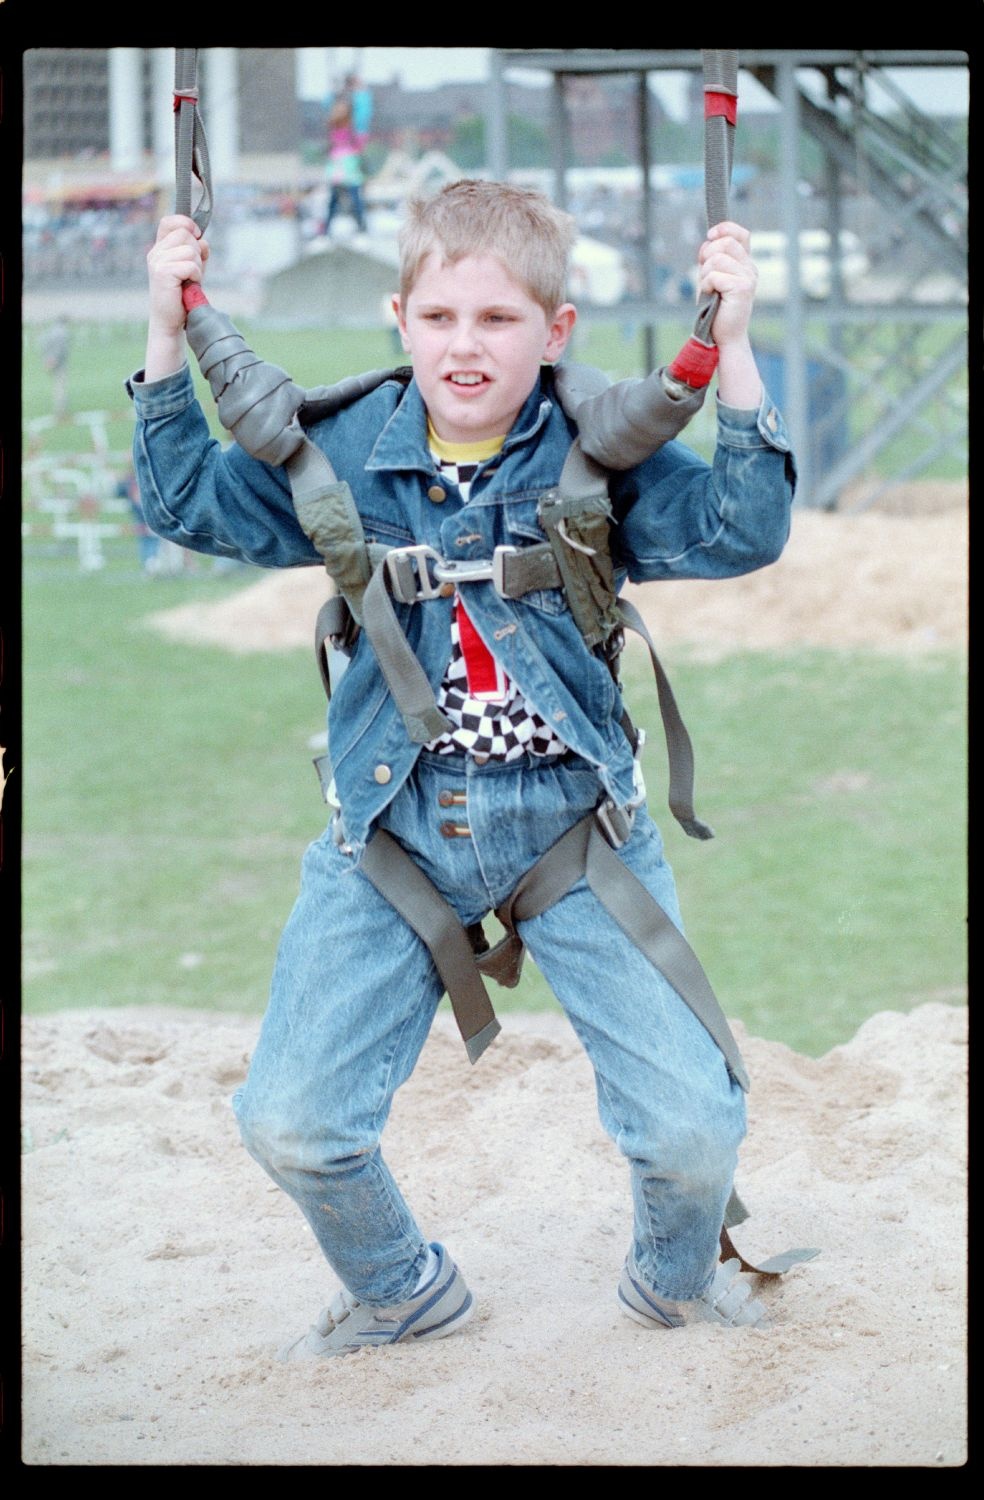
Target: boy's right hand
pixel 178 255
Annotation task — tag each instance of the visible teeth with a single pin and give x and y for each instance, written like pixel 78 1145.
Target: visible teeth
pixel 467 379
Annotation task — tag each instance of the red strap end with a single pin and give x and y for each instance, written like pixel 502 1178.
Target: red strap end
pixel 695 364
pixel 716 103
pixel 193 296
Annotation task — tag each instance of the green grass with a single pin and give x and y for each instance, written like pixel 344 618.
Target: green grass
pixel 169 792
pixel 168 795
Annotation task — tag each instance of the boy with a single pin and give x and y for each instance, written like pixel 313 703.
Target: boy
pixel 533 742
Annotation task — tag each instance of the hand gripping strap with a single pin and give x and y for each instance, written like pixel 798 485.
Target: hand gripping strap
pixel 697 360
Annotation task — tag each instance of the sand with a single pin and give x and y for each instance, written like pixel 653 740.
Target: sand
pixel 162 1270
pixel 891 582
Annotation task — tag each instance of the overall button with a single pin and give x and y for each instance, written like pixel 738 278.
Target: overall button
pixel 455 831
pixel 383 774
pixel 446 590
pixel 436 494
pixel 452 799
pixel 480 759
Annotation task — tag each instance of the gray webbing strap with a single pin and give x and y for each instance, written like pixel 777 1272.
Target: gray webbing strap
pixel 584 850
pixel 405 886
pixel 533 567
pixel 679 749
pixel 405 677
pixel 190 148
pixel 581 852
pixel 322 401
pixel 720 68
pixel 622 426
pixel 776 1265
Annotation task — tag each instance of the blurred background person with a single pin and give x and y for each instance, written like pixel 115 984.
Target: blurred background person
pixel 56 345
pixel 349 122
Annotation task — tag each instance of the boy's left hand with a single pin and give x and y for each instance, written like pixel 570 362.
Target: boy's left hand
pixel 725 266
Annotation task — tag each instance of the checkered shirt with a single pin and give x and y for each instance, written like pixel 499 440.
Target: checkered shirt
pixel 501 729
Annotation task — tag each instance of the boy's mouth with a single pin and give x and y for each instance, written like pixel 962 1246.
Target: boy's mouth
pixel 465 379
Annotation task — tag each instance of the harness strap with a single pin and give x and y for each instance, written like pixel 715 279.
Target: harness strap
pixel 585 851
pixel 190 146
pixel 462 956
pixel 679 748
pixel 405 886
pixel 623 425
pixel 190 156
pixel 405 677
pixel 697 360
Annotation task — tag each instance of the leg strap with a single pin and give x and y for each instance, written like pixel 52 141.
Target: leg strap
pixel 584 851
pixel 405 886
pixel 463 956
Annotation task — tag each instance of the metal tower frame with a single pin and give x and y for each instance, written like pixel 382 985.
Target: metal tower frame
pixel 895 372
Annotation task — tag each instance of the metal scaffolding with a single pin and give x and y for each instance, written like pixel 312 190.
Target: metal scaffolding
pixel 880 360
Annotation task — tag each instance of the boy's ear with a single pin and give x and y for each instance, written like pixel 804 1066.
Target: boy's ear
pixel 559 332
pixel 401 321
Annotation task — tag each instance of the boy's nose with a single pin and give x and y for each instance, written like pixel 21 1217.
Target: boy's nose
pixel 465 338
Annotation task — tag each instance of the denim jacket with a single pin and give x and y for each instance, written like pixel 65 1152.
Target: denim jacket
pixel 676 517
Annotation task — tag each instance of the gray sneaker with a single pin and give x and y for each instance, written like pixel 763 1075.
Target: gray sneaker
pixel 728 1300
pixel 441 1307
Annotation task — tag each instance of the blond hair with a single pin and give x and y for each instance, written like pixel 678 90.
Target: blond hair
pixel 531 237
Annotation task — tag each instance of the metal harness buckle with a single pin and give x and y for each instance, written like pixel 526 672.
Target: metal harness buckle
pixel 425 561
pixel 615 821
pixel 420 558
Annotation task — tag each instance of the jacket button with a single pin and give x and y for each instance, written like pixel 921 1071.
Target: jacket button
pixel 772 420
pixel 455 830
pixel 436 494
pixel 383 774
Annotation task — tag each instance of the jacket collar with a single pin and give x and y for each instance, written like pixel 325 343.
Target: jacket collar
pixel 402 444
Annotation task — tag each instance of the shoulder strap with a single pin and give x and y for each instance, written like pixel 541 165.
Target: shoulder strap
pixel 325 400
pixel 576 517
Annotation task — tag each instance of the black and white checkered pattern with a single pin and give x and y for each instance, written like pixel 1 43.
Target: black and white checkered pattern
pixel 502 730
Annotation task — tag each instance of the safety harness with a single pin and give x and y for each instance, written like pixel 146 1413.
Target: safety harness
pixel 618 426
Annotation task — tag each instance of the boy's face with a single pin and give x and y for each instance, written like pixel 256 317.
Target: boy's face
pixel 476 339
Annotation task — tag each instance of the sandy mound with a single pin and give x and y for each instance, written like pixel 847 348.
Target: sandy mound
pixel 892 582
pixel 161 1269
